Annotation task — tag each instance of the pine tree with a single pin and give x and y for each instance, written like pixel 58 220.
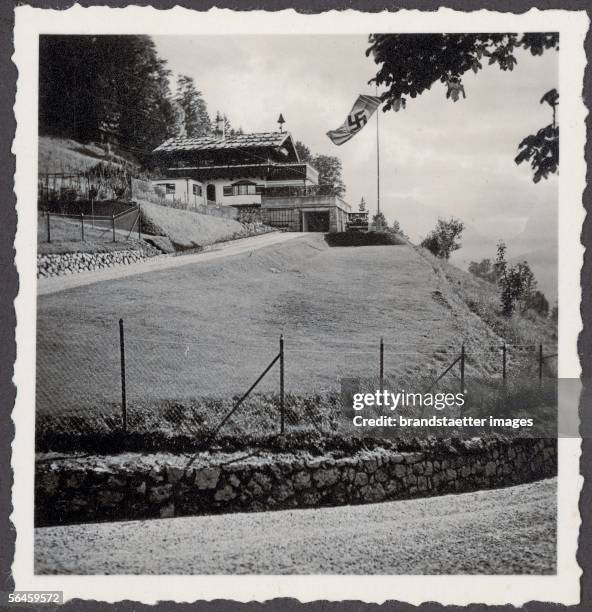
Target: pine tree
pixel 196 121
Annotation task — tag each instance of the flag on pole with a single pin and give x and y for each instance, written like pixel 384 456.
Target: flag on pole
pixel 359 116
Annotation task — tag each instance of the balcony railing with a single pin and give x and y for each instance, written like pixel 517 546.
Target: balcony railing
pixel 297 191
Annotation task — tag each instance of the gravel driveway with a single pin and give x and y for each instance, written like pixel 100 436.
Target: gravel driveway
pixel 503 531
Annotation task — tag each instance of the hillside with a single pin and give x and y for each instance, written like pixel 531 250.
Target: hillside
pixel 66 155
pixel 188 230
pixel 209 329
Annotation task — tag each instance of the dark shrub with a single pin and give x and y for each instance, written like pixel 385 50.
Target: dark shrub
pixel 341 239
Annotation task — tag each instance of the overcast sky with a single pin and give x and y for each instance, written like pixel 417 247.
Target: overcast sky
pixel 438 158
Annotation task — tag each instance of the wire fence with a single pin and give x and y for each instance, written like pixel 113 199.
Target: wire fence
pixel 133 383
pixel 82 227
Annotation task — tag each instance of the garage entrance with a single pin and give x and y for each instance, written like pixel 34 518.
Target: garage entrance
pixel 315 221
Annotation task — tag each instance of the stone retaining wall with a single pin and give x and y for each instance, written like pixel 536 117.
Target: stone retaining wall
pixel 132 486
pixel 54 264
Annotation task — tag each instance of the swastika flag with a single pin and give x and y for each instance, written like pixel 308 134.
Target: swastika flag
pixel 358 117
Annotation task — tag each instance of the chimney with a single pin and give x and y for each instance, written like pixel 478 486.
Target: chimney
pixel 219 131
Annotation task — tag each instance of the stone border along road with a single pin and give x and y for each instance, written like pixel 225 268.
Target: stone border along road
pixel 501 531
pixel 46 286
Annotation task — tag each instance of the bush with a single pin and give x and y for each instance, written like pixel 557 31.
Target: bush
pixel 341 239
pixel 444 238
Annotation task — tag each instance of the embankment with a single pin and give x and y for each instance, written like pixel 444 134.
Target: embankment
pixel 190 230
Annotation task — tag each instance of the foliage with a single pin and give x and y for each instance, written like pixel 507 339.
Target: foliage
pixel 517 285
pixel 484 269
pixel 537 302
pixel 303 151
pixel 105 88
pixel 328 166
pixel 344 239
pixel 483 299
pixel 541 150
pixel 444 238
pixel 409 64
pixel 379 221
pixel 228 129
pixel 196 120
pixel 396 227
pixel 329 169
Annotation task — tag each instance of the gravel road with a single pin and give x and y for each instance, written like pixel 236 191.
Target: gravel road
pixel 502 531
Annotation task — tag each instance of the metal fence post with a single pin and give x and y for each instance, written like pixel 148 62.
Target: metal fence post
pixel 504 357
pixel 282 424
pixel 48 228
pixel 540 362
pixel 462 369
pixel 82 225
pixel 113 225
pixel 122 355
pixel 139 222
pixel 381 364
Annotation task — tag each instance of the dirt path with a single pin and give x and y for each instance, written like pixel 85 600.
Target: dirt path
pixel 61 283
pixel 503 531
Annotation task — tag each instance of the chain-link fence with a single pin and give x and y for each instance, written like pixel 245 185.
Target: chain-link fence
pixel 135 382
pixel 58 227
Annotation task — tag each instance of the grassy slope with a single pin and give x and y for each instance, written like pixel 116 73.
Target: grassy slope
pixel 210 329
pixel 189 229
pixel 64 155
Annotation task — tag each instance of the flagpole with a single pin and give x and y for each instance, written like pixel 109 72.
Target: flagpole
pixel 377 158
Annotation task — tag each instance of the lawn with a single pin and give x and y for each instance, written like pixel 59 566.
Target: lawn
pixel 66 235
pixel 206 331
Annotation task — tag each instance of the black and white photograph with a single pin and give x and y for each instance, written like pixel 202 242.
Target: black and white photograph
pixel 297 303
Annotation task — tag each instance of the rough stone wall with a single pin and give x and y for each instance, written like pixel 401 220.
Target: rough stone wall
pixel 52 264
pixel 139 486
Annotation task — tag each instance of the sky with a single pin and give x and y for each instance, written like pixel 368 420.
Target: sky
pixel 437 158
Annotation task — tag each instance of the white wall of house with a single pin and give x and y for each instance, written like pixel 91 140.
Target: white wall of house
pixel 242 194
pixel 186 190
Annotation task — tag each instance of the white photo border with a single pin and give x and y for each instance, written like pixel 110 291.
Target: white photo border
pixel 564 587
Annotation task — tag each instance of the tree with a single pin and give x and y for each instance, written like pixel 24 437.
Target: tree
pixel 379 221
pixel 411 63
pixel 303 151
pixel 484 269
pixel 542 149
pixel 396 227
pixel 190 99
pixel 517 286
pixel 538 302
pixel 362 205
pixel 444 238
pixel 329 169
pixel 117 91
pixel 228 129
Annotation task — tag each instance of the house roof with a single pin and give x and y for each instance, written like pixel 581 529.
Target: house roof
pixel 211 143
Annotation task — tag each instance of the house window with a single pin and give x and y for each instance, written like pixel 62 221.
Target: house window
pixel 168 187
pixel 197 190
pixel 242 188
